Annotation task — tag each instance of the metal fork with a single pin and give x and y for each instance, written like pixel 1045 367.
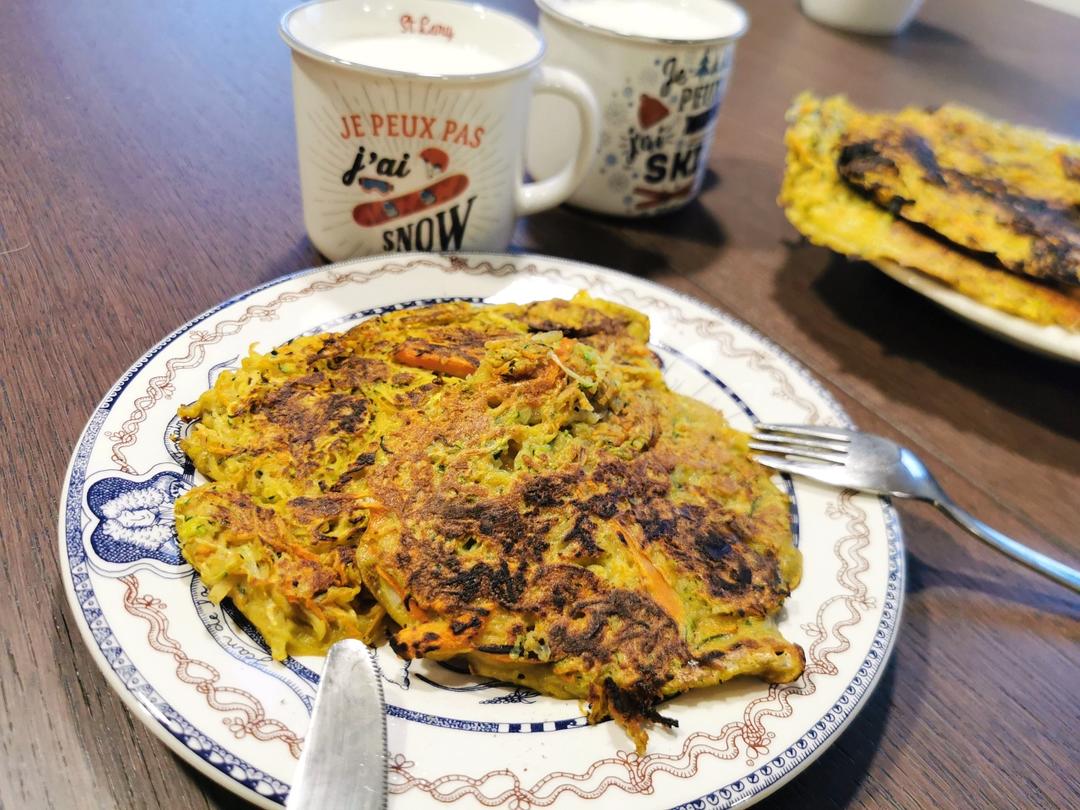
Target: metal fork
pixel 845 458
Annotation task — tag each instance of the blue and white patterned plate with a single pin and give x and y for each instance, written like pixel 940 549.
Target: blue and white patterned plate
pixel 201 678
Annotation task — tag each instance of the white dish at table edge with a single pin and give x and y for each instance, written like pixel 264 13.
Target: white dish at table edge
pixel 739 742
pixel 1048 339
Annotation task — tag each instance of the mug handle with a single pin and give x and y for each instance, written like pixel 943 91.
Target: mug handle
pixel 530 198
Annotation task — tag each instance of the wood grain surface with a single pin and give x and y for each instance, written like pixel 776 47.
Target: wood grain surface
pixel 148 171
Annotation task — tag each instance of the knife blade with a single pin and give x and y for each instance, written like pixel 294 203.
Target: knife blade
pixel 343 764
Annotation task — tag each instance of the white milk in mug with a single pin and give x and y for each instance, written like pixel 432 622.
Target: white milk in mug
pixel 410 123
pixel 659 70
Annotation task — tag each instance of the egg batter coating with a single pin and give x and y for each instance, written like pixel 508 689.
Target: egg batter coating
pixel 511 486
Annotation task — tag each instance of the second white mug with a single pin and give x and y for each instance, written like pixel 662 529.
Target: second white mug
pixel 659 69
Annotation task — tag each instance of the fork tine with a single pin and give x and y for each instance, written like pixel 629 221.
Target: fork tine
pixel 813 444
pixel 809 431
pixel 798 452
pixel 784 465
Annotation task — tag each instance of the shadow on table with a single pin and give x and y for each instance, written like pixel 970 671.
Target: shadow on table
pixel 868 306
pixel 1019 598
pixel 838 777
pixel 634 245
pixel 216 795
pixel 911 41
pixel 835 778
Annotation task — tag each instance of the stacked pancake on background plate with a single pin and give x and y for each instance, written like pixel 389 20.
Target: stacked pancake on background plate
pixel 989 209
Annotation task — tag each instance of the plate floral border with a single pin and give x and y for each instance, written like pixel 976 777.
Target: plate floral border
pixel 625 771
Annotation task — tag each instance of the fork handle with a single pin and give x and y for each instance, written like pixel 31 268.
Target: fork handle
pixel 1047 566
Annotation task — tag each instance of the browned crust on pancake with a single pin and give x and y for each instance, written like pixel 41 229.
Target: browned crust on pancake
pixel 978 212
pixel 539 505
pixel 833 213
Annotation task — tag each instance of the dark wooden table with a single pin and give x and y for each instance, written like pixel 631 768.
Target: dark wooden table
pixel 148 171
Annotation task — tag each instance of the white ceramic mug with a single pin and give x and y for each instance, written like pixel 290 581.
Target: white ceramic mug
pixel 410 124
pixel 659 69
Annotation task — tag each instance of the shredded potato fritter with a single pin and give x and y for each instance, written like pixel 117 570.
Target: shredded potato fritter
pixel 511 486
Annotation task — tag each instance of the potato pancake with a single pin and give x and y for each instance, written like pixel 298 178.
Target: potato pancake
pixel 511 486
pixel 833 214
pixel 981 184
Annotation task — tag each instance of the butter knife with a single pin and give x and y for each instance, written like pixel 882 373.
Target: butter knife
pixel 343 764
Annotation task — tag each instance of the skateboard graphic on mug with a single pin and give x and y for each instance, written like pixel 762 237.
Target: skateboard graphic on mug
pixel 371 214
